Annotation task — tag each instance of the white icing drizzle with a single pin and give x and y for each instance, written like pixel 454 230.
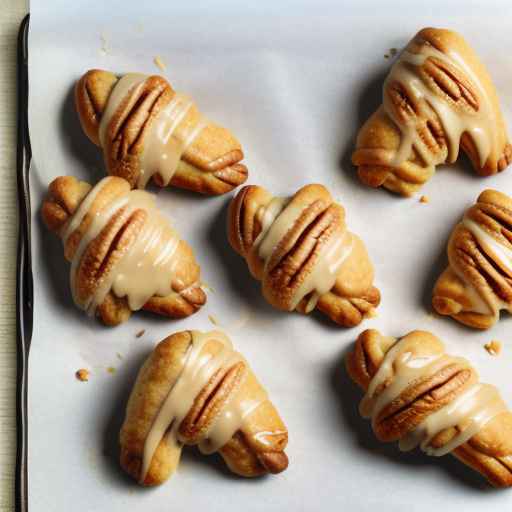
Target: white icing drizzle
pixel 500 254
pixel 479 125
pixel 147 266
pixel 198 369
pixel 130 83
pixel 470 411
pixel 164 145
pixel 276 220
pixel 502 257
pixel 168 137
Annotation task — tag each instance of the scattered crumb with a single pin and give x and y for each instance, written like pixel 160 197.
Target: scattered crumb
pixel 111 370
pixel 424 199
pixel 371 313
pixel 140 333
pixel 431 316
pixel 82 375
pixel 159 63
pixel 493 347
pixel 105 48
pixel 213 320
pixel 206 287
pixel 119 356
pixel 391 53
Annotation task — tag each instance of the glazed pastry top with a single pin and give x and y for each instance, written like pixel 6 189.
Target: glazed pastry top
pixel 164 144
pixel 476 286
pixel 407 363
pixel 437 98
pixel 301 250
pixel 147 266
pixel 149 131
pixel 467 109
pixel 198 370
pixel 276 219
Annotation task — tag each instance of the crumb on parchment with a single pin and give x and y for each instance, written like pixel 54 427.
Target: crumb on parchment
pixel 391 53
pixel 424 199
pixel 493 347
pixel 159 63
pixel 82 375
pixel 111 370
pixel 213 320
pixel 206 287
pixel 140 333
pixel 105 48
pixel 371 313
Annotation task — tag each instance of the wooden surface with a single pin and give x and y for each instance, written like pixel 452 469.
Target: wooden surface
pixel 11 14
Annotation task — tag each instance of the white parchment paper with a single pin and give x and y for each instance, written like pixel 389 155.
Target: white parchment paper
pixel 294 81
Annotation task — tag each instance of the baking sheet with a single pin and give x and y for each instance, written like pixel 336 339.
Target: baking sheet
pixel 294 81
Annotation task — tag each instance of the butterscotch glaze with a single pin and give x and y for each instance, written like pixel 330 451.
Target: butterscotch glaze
pixel 130 83
pixel 469 412
pixel 479 124
pixel 276 219
pixel 198 368
pixel 147 266
pixel 174 129
pixel 501 255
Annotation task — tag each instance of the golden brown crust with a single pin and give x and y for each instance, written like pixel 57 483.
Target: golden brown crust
pixel 245 454
pixel 210 165
pixel 488 452
pixel 353 295
pixel 380 136
pixel 65 195
pixel 475 278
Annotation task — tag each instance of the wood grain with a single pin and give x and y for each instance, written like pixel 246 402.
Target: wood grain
pixel 13 12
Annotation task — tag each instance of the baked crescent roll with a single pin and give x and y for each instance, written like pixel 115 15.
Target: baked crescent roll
pixel 478 281
pixel 301 251
pixel 418 395
pixel 437 97
pixel 124 254
pixel 195 389
pixel 148 130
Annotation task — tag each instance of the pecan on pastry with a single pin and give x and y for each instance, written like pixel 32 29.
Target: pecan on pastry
pixel 147 130
pixel 437 97
pixel 124 254
pixel 302 252
pixel 478 281
pixel 195 389
pixel 418 395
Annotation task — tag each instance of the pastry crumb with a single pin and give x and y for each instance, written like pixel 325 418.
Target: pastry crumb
pixel 213 320
pixel 140 333
pixel 371 313
pixel 105 48
pixel 159 63
pixel 119 356
pixel 206 287
pixel 493 347
pixel 82 375
pixel 391 53
pixel 424 199
pixel 111 370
